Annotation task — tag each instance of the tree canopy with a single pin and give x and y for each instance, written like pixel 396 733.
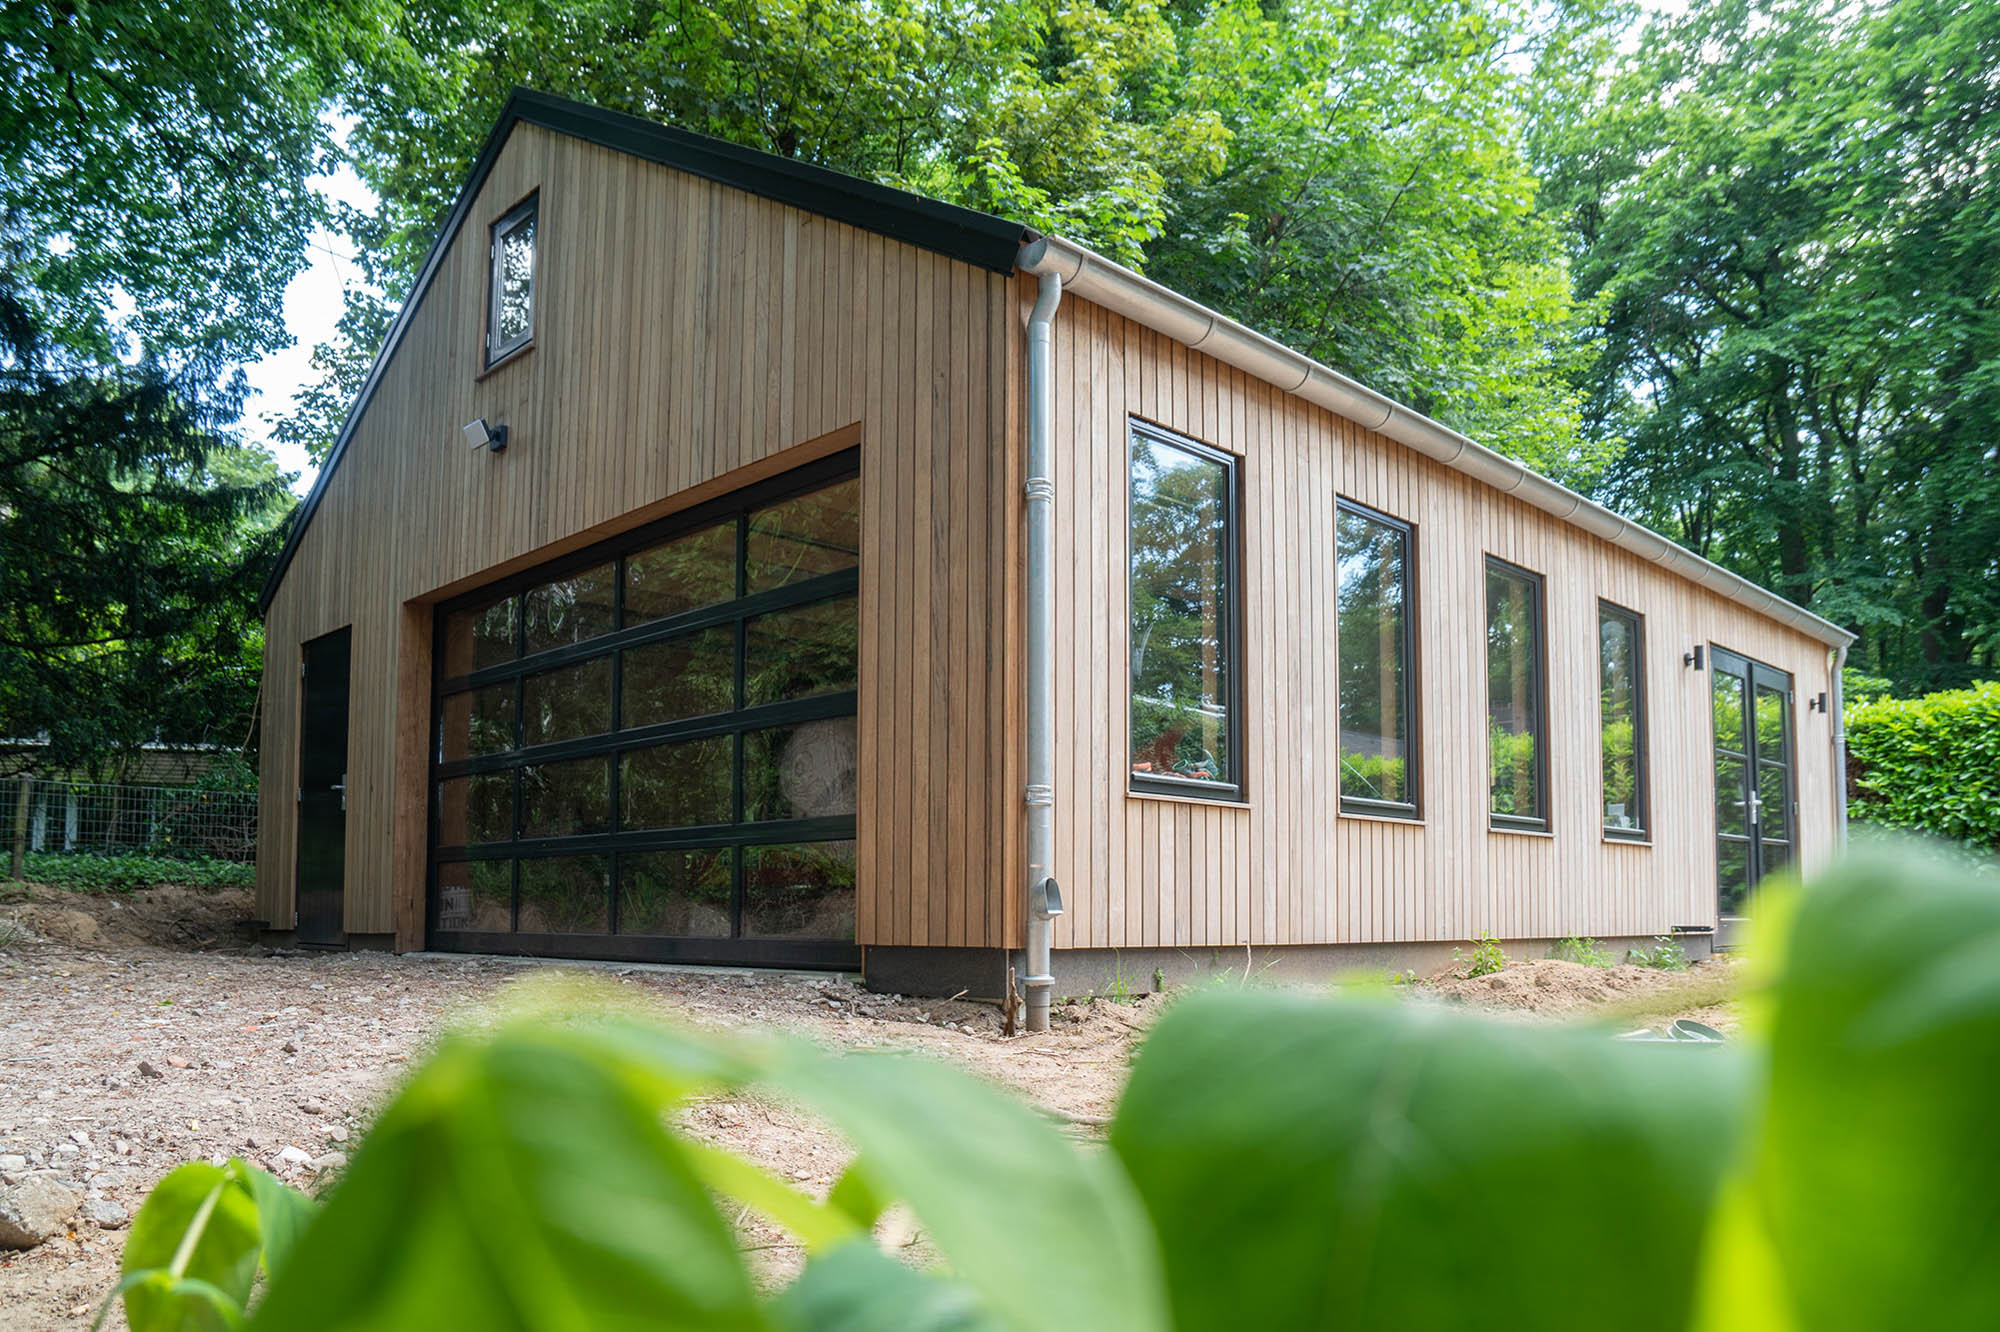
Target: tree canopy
pixel 1783 213
pixel 1732 270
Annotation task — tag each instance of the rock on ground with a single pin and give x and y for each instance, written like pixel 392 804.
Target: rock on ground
pixel 32 1211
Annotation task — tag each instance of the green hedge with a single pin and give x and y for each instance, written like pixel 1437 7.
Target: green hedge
pixel 122 874
pixel 1929 763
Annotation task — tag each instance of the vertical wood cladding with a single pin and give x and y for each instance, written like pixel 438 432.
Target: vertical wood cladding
pixel 689 338
pixel 1284 865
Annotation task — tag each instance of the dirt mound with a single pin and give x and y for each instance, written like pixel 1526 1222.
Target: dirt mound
pixel 1558 989
pixel 177 918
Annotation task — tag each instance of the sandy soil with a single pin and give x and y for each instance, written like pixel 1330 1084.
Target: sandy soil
pixel 138 1031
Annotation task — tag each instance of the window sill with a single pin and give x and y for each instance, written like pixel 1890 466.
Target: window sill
pixel 1613 839
pixel 1522 832
pixel 1213 802
pixel 1401 820
pixel 519 353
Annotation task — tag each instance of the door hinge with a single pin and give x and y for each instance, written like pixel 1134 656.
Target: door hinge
pixel 302 670
pixel 295 917
pixel 298 795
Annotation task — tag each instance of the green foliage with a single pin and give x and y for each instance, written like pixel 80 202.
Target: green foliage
pixel 124 874
pixel 1277 1160
pixel 1666 954
pixel 1487 957
pixel 1372 776
pixel 1778 218
pixel 1931 764
pixel 154 159
pixel 131 526
pixel 1514 772
pixel 1349 178
pixel 1586 951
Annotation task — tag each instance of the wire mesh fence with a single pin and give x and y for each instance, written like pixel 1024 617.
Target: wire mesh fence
pixel 44 816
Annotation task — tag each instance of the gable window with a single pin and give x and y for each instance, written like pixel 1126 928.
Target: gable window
pixel 1183 644
pixel 510 298
pixel 1516 700
pixel 1622 710
pixel 1374 605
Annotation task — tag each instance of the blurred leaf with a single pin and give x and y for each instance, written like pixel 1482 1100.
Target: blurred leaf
pixel 282 1213
pixel 1049 1236
pixel 1877 1168
pixel 521 1183
pixel 858 1288
pixel 1315 1164
pixel 198 1229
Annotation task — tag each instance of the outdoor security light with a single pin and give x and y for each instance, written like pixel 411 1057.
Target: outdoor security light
pixel 1693 658
pixel 479 435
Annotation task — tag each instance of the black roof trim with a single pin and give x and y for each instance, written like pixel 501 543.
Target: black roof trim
pixel 976 238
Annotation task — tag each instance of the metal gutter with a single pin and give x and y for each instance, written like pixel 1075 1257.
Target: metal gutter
pixel 1120 290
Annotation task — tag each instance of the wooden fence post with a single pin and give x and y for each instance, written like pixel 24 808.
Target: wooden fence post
pixel 17 863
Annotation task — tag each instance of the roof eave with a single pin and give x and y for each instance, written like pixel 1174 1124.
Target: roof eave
pixel 1118 289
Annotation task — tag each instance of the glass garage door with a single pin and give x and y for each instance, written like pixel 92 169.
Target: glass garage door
pixel 648 750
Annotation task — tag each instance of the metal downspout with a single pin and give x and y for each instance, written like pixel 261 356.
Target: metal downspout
pixel 1839 751
pixel 1041 494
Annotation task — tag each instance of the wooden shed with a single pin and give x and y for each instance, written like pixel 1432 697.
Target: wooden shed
pixel 727 560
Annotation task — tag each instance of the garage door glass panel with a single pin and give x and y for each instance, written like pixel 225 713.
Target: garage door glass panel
pixel 477 808
pixel 566 799
pixel 801 653
pixel 802 538
pixel 565 704
pixel 481 636
pixel 683 785
pixel 652 746
pixel 800 772
pixel 566 895
pixel 476 895
pixel 479 721
pixel 684 574
pixel 799 892
pixel 692 675
pixel 677 893
pixel 570 610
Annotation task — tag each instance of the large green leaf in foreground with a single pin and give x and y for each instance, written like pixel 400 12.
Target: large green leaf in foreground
pixel 1877 1176
pixel 1314 1164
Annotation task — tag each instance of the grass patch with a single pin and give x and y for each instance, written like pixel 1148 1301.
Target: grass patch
pixel 124 874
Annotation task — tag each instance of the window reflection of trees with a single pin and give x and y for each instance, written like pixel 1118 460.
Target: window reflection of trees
pixel 1371 609
pixel 514 314
pixel 1179 668
pixel 1514 722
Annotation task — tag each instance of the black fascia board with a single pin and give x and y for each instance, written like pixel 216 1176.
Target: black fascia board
pixel 965 234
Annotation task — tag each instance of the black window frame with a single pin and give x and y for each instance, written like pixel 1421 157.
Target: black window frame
pixel 528 209
pixel 1642 796
pixel 737 836
pixel 1411 810
pixel 1234 791
pixel 1538 607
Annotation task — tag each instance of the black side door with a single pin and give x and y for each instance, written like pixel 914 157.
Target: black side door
pixel 1755 802
pixel 322 869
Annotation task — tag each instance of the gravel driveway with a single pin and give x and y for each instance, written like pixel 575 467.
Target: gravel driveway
pixel 120 1059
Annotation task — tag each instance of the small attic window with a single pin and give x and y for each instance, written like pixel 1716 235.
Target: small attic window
pixel 510 300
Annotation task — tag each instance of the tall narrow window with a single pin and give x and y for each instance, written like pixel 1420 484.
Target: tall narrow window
pixel 1378 751
pixel 1516 721
pixel 510 301
pixel 1622 708
pixel 1184 629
